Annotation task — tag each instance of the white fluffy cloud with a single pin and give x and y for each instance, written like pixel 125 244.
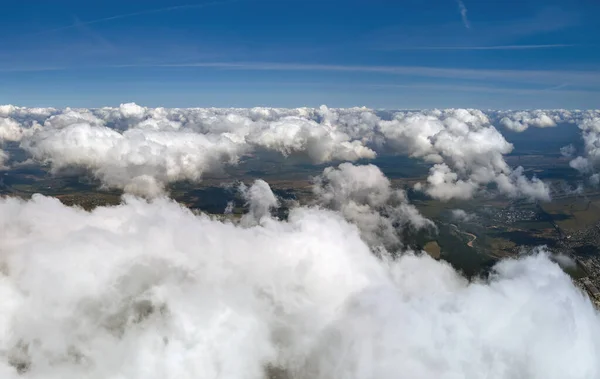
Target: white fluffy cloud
pixel 141 149
pixel 589 163
pixel 466 151
pixel 71 117
pixel 148 289
pixel 365 197
pixel 27 114
pixel 520 121
pixel 462 216
pixel 136 160
pixel 260 200
pixel 321 142
pixel 10 130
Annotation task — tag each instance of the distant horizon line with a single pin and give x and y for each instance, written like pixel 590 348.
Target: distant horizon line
pixel 410 109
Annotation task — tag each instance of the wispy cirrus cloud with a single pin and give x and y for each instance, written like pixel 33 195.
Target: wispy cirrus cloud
pixel 463 14
pixel 497 47
pixel 550 77
pixel 501 32
pixel 583 79
pixel 79 23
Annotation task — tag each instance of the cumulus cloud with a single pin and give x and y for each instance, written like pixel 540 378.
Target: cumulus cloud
pixel 589 163
pixel 581 164
pixel 141 150
pixel 260 199
pixel 517 185
pixel 462 216
pixel 10 130
pixel 148 289
pixel 365 197
pixel 476 330
pixel 567 151
pixel 520 121
pixel 138 161
pixel 71 117
pixel 321 142
pixel 464 148
pixel 25 114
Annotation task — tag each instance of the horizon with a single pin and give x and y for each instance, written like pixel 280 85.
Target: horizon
pixel 117 106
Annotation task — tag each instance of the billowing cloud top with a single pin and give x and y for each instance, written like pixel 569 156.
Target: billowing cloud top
pixel 148 289
pixel 142 149
pixel 589 163
pixel 520 121
pixel 365 197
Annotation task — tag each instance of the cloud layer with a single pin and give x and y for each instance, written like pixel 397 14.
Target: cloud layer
pixel 148 289
pixel 141 150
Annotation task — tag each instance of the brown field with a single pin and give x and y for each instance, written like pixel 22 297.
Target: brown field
pixel 433 249
pixel 572 214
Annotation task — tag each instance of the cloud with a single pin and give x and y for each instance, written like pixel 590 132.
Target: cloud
pixel 134 14
pixel 494 47
pixel 3 158
pixel 462 216
pixel 466 152
pixel 321 142
pixel 24 114
pixel 142 150
pixel 136 160
pixel 549 77
pixel 516 185
pixel 10 130
pixel 564 261
pixel 148 289
pixel 70 117
pixel 463 14
pixel 581 164
pixel 589 163
pixel 365 197
pixel 520 121
pixel 377 319
pixel 583 82
pixel 260 199
pixel 568 151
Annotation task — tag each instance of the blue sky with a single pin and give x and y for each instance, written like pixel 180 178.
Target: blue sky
pixel 382 54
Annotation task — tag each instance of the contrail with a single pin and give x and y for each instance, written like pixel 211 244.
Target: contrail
pixel 133 14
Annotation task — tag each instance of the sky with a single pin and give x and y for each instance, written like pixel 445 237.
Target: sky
pixel 382 54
